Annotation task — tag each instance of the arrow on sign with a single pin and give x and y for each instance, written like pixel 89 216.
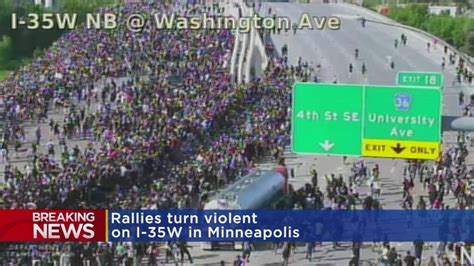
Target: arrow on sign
pixel 398 148
pixel 327 145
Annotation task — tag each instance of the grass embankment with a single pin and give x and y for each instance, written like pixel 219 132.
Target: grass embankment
pixel 4 74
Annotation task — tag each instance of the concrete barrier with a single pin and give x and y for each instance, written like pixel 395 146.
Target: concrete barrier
pixel 249 49
pixel 243 51
pixel 231 10
pixel 256 45
pixel 244 46
pixel 260 46
pixel 233 59
pixel 250 56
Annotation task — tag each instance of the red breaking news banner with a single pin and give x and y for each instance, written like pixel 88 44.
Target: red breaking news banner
pixel 53 225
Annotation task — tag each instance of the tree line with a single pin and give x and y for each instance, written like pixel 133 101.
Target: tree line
pixel 457 31
pixel 18 46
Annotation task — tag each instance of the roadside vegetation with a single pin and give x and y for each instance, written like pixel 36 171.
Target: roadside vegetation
pixel 3 74
pixel 457 31
pixel 18 46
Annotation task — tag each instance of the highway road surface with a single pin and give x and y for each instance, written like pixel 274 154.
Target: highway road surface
pixel 334 50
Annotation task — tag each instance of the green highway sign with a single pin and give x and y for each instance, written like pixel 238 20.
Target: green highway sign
pixel 420 79
pixel 371 121
pixel 411 114
pixel 324 122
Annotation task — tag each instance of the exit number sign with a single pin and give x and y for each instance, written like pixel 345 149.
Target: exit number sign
pixel 420 79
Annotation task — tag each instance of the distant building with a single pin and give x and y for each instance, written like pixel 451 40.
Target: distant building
pixel 453 11
pixel 45 3
pixel 470 12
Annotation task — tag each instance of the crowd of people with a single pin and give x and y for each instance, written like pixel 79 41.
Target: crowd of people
pixel 135 125
pixel 148 120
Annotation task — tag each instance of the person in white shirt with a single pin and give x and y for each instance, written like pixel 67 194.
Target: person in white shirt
pixel 65 258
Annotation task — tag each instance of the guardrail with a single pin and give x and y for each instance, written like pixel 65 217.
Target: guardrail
pixel 466 59
pixel 388 21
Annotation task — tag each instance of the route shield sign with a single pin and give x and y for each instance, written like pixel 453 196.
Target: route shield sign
pixel 420 79
pixel 393 113
pixel 407 121
pixel 327 119
pixel 371 121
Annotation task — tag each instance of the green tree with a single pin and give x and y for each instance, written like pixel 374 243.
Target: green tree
pixel 413 15
pixel 82 7
pixel 453 30
pixel 6 8
pixel 79 7
pixel 22 42
pixel 5 49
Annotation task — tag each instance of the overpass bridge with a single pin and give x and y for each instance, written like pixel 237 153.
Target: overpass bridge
pixel 249 58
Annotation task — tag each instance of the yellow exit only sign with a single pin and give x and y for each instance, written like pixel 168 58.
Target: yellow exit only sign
pixel 401 149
